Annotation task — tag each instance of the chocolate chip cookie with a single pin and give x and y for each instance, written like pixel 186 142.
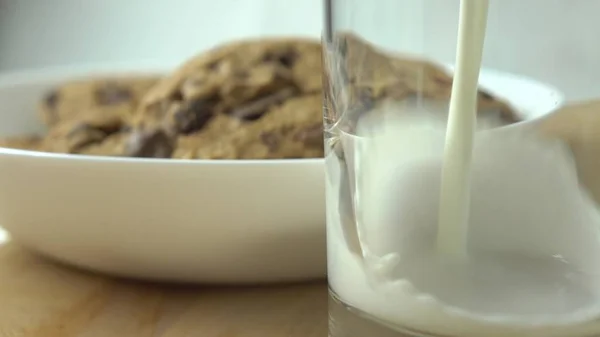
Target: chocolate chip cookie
pixel 86 116
pixel 216 102
pixel 251 99
pixel 117 96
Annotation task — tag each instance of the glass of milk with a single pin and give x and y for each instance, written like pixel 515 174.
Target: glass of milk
pixel 463 176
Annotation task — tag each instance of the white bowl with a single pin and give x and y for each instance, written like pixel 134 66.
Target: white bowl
pixel 220 221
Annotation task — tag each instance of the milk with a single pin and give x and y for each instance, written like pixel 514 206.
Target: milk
pixel 454 195
pixel 515 247
pixel 534 277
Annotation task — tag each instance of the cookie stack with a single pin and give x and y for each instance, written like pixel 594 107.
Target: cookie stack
pixel 251 99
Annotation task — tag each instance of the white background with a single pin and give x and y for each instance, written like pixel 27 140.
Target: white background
pixel 557 41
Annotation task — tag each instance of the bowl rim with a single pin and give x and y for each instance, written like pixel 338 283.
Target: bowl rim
pixel 154 161
pixel 153 67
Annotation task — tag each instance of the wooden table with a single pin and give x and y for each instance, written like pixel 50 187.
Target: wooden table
pixel 39 298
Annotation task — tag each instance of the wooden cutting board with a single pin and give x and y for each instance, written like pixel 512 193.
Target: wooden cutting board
pixel 39 298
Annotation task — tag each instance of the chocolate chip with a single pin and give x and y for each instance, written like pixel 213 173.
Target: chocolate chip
pixel 362 102
pixel 176 95
pixel 154 143
pixel 193 115
pixel 287 59
pixel 311 135
pixel 486 95
pixel 248 115
pixel 213 65
pixel 112 94
pixel 107 126
pixel 92 131
pixel 79 129
pixel 271 140
pixel 51 99
pixel 366 98
pixel 342 46
pixel 83 135
pixel 255 109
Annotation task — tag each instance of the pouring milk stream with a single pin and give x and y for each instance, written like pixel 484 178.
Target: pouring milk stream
pixel 505 254
pixel 454 195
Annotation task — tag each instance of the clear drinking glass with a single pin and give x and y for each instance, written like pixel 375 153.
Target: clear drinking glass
pixel 516 249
